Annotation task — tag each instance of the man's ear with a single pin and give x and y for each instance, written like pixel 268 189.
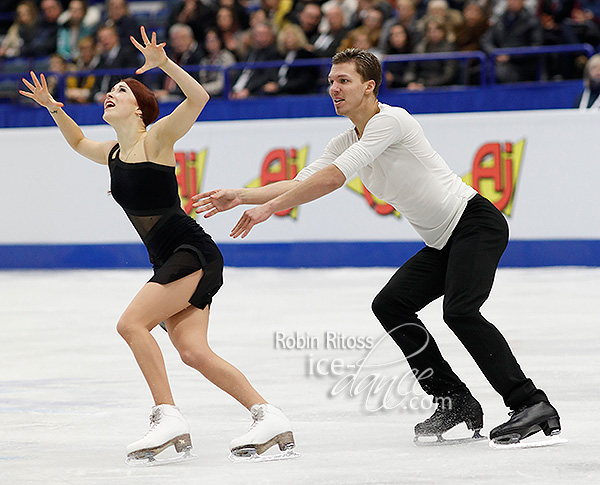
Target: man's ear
pixel 370 87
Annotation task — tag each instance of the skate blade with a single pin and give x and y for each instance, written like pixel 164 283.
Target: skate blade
pixel 162 455
pixel 157 460
pixel 256 452
pixel 439 440
pixel 551 441
pixel 250 455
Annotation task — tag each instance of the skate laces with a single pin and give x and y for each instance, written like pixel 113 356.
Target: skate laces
pixel 518 410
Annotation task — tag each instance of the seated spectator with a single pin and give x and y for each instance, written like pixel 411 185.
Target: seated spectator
pixel 552 15
pixel 57 67
pixel 45 40
pixel 183 50
pixel 277 11
pixel 292 43
pixel 406 15
pixel 476 23
pixel 230 31
pixel 79 88
pixel 371 26
pixel 214 81
pixel 240 12
pixel 350 39
pixel 347 7
pixel 251 80
pixel 590 97
pixel 499 7
pixel 195 13
pixel 468 37
pixel 399 42
pixel 113 55
pixel 77 22
pixel 582 26
pixel 360 39
pixel 22 31
pixel 328 41
pixel 590 9
pixel 432 73
pixel 257 16
pixel 309 19
pixel 440 9
pixel 119 17
pixel 364 6
pixel 373 22
pixel 517 27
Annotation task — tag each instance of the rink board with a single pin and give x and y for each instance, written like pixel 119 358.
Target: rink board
pixel 539 167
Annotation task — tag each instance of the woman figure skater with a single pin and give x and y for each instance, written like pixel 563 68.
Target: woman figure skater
pixel 187 263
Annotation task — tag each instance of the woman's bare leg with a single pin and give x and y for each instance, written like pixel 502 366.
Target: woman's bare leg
pixel 188 331
pixel 153 304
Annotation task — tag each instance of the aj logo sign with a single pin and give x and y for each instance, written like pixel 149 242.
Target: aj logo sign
pixel 189 170
pixel 281 164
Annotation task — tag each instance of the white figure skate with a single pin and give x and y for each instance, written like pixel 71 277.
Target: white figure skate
pixel 269 427
pixel 167 427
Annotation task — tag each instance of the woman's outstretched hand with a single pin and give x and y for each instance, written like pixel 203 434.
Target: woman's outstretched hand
pixel 215 201
pixel 154 53
pixel 40 92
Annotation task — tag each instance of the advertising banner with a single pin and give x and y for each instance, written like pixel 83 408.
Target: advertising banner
pixel 540 168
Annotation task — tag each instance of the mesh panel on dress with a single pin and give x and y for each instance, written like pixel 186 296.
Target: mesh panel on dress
pixel 143 224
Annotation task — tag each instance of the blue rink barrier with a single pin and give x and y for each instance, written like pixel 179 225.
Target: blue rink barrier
pixel 291 255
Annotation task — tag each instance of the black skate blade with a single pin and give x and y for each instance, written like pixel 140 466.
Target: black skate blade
pixel 439 440
pixel 508 443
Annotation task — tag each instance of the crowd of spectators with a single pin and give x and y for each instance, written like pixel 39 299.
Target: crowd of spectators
pixel 76 36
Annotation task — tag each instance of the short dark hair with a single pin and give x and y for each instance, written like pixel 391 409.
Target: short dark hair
pixel 367 65
pixel 146 100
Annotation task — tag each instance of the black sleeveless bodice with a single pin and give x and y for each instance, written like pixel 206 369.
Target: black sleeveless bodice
pixel 148 193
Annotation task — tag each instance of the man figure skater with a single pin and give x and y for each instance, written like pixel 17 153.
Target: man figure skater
pixel 465 237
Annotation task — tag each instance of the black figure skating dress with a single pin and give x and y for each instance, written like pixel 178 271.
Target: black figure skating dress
pixel 176 244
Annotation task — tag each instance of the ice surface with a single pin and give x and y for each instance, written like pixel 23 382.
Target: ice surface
pixel 72 398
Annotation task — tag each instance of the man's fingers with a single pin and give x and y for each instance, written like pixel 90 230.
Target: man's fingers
pixel 235 232
pixel 203 207
pixel 203 195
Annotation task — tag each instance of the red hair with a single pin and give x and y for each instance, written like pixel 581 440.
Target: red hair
pixel 145 98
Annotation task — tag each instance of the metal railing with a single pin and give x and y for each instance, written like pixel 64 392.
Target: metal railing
pixel 465 57
pixel 10 81
pixel 538 51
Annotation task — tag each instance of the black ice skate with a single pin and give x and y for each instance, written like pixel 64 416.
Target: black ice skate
pixel 523 423
pixel 450 412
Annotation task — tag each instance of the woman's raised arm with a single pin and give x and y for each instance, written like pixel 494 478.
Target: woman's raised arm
pixel 94 150
pixel 172 127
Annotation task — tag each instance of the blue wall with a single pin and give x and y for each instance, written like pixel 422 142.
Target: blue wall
pixel 448 100
pixel 291 255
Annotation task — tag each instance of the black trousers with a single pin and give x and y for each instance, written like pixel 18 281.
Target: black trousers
pixel 463 272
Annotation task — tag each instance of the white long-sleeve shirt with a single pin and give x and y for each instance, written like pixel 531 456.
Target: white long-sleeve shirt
pixel 396 163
